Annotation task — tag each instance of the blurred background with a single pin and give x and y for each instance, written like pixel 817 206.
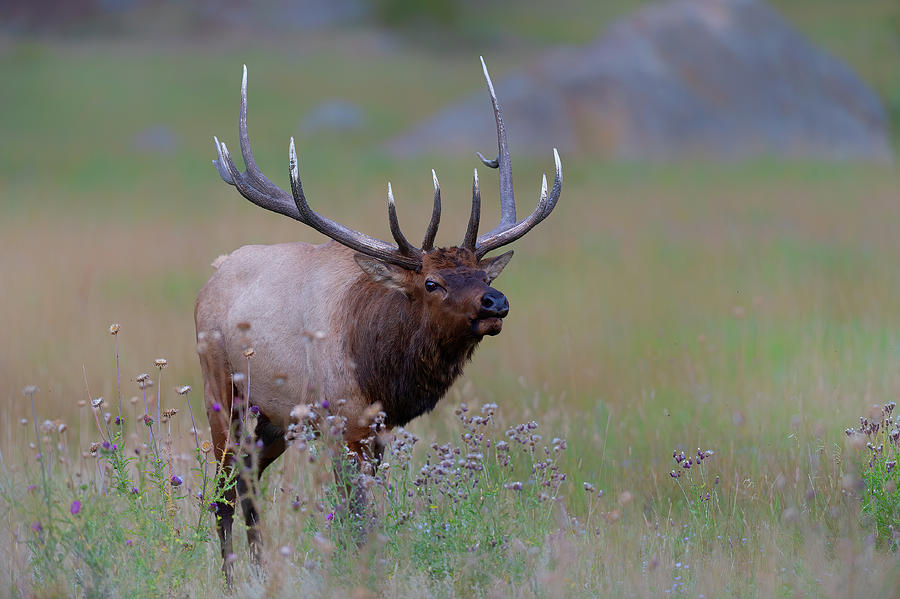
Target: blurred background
pixel 723 256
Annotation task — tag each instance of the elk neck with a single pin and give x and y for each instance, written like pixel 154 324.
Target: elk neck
pixel 402 358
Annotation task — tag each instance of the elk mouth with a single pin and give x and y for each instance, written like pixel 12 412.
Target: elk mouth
pixel 491 325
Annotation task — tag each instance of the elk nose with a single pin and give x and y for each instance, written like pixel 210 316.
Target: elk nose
pixel 494 304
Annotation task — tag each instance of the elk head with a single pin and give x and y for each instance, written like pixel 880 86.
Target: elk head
pixel 452 285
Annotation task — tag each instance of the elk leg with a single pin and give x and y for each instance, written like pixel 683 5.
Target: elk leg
pixel 273 445
pixel 218 393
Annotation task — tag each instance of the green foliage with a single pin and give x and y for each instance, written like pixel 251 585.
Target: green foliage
pixel 880 434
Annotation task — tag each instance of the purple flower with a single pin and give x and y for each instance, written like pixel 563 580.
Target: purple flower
pixel 32 488
pixel 75 507
pixel 217 407
pixel 134 491
pixel 36 527
pixel 129 542
pixel 330 515
pixel 254 410
pixel 106 445
pixel 325 404
pixel 177 481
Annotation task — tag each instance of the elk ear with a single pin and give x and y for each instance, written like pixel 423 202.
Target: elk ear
pixel 494 266
pixel 389 275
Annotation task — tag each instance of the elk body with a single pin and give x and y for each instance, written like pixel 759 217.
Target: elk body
pixel 354 322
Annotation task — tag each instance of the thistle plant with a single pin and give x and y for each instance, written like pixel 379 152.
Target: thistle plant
pixel 690 474
pixel 879 437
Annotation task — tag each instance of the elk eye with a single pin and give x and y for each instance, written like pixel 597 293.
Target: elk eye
pixel 431 286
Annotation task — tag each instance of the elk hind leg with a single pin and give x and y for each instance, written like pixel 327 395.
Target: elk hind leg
pixel 270 445
pixel 218 392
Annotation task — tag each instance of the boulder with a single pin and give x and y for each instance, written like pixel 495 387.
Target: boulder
pixel 713 79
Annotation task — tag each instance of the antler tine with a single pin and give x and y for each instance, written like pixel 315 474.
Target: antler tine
pixel 474 218
pixel 259 180
pixel 279 203
pixel 344 235
pixel 431 231
pixel 404 246
pixel 491 240
pixel 502 162
pixel 252 184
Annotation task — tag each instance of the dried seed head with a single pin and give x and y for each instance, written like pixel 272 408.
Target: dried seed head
pixel 589 487
pixel 81 403
pixel 206 447
pixel 134 399
pixel 161 363
pixel 183 390
pixel 114 329
pixel 30 390
pixel 97 402
pixel 300 412
pixel 23 421
pixel 142 378
pixel 248 352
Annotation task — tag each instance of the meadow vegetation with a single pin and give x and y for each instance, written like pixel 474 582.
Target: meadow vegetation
pixel 738 318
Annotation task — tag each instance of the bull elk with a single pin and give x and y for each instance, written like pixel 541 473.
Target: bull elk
pixel 394 324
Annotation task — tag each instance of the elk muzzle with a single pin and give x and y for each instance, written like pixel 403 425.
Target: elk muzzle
pixel 492 309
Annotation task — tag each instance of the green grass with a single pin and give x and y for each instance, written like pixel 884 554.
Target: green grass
pixel 747 308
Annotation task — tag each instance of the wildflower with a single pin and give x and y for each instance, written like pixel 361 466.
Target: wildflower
pixel 325 404
pixel 36 527
pixel 75 507
pixel 135 491
pixel 129 542
pixel 160 363
pixel 147 420
pixel 184 390
pixel 216 407
pixel 177 481
pixel 114 329
pixel 142 378
pixel 515 486
pixel 106 445
pixel 254 410
pixel 589 487
pixel 248 352
pixel 32 488
pixel 330 516
pixel 30 390
pixel 206 447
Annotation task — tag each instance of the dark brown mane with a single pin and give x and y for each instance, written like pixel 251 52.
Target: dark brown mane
pixel 402 360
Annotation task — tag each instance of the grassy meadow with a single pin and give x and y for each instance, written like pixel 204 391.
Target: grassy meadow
pixel 749 309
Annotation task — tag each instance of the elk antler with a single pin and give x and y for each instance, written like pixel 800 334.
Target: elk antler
pixel 257 188
pixel 508 230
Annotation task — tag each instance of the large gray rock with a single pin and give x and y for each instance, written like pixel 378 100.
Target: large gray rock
pixel 722 79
